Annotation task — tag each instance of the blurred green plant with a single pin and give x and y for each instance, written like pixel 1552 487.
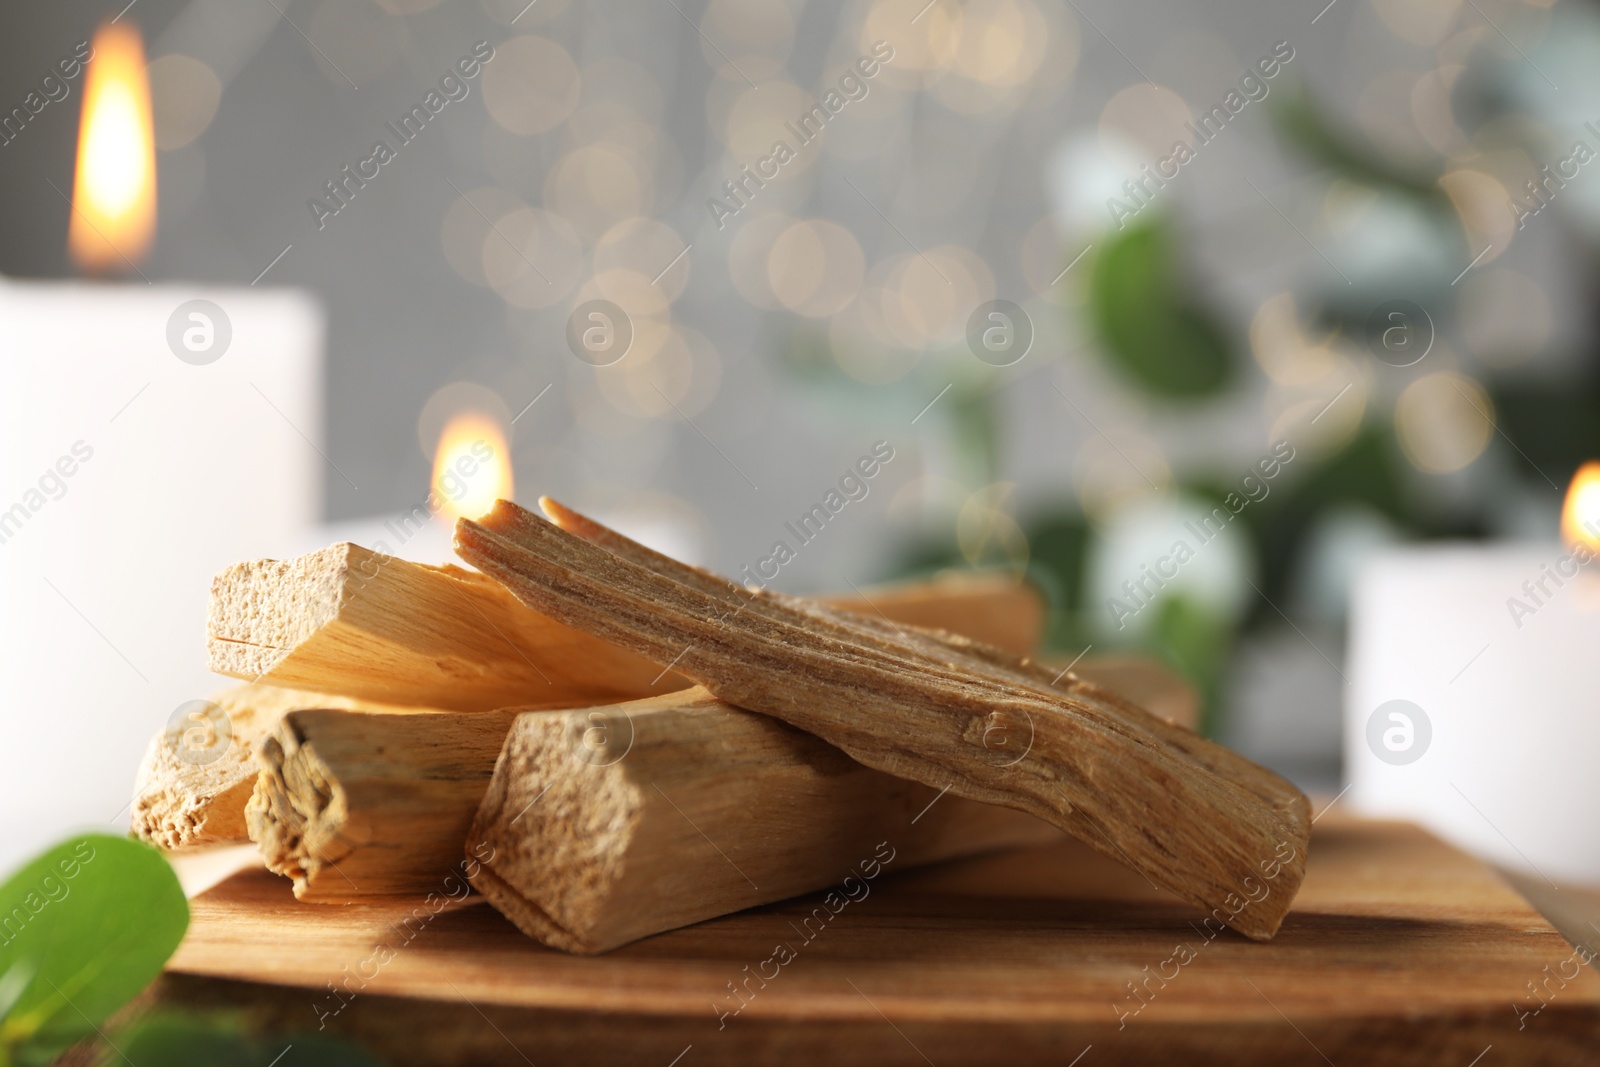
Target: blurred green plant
pixel 1196 643
pixel 1367 470
pixel 969 410
pixel 1163 336
pixel 84 928
pixel 1146 320
pixel 1309 129
pixel 1060 550
pixel 1556 426
pixel 169 1040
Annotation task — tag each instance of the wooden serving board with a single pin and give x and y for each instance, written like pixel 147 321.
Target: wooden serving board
pixel 1399 950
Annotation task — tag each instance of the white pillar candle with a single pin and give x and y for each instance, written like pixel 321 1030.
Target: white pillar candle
pixel 1496 652
pixel 131 470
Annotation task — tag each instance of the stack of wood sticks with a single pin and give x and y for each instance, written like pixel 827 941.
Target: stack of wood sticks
pixel 608 744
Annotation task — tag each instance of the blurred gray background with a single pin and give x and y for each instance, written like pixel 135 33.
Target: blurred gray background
pixel 832 312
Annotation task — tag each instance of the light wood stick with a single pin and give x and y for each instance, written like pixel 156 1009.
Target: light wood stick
pixel 603 826
pixel 351 621
pixel 1143 681
pixel 197 775
pixel 332 808
pixel 991 607
pixel 1191 816
pixel 375 800
pixel 354 805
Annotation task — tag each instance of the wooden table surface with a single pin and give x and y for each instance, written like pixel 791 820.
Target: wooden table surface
pixel 1399 950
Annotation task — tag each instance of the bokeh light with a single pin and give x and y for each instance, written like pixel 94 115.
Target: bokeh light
pixel 1444 422
pixel 184 94
pixel 815 267
pixel 1148 117
pixel 1280 346
pixel 642 244
pixel 531 85
pixel 1421 22
pixel 531 257
pixel 467 225
pixel 597 186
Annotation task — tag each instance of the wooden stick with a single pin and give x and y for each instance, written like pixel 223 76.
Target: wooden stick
pixel 197 774
pixel 991 607
pixel 351 621
pixel 356 622
pixel 332 812
pixel 603 826
pixel 1140 680
pixel 1191 816
pixel 353 805
pixel 375 801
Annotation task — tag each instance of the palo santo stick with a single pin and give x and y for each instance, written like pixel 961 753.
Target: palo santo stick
pixel 353 805
pixel 196 776
pixel 375 801
pixel 1143 681
pixel 332 808
pixel 185 798
pixel 1191 816
pixel 987 606
pixel 602 826
pixel 352 621
pixel 355 622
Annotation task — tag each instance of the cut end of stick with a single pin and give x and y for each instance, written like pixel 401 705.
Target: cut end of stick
pixel 261 609
pixel 606 825
pixel 198 773
pixel 363 624
pixel 360 804
pixel 298 811
pixel 553 842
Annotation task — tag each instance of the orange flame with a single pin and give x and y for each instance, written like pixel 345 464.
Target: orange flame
pixel 114 190
pixel 1580 515
pixel 471 466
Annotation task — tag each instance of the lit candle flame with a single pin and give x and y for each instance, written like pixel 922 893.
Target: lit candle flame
pixel 114 191
pixel 1580 515
pixel 471 466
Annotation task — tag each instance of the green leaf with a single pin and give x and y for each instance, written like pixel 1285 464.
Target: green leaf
pixel 975 420
pixel 90 923
pixel 171 1040
pixel 1197 643
pixel 1060 546
pixel 1366 472
pixel 1146 321
pixel 182 1041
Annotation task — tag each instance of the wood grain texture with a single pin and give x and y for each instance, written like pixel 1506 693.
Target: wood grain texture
pixel 353 805
pixel 586 826
pixel 1140 680
pixel 1399 950
pixel 352 621
pixel 192 795
pixel 1190 815
pixel 358 623
pixel 986 606
pixel 300 620
pixel 376 799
